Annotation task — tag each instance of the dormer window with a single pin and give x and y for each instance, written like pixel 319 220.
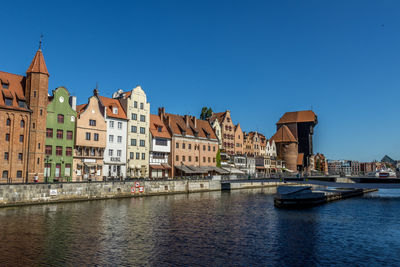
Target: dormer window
pixel 21 104
pixel 8 101
pixel 159 129
pixel 5 85
pixel 115 110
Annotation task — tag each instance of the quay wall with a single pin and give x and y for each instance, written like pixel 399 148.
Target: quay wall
pixel 25 194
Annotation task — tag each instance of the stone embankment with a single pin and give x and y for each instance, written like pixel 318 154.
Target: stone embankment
pixel 26 194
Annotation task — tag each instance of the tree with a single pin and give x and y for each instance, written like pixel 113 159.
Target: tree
pixel 206 113
pixel 218 158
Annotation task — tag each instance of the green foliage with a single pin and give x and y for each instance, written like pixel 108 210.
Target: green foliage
pixel 218 158
pixel 206 113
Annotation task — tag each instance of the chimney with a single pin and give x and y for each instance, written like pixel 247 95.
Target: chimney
pixel 187 120
pixel 169 121
pixel 195 122
pixel 161 113
pixel 72 102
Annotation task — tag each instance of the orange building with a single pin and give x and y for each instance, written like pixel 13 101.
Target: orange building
pixel 194 144
pixel 287 147
pixel 227 131
pixel 239 138
pixel 254 144
pixel 23 111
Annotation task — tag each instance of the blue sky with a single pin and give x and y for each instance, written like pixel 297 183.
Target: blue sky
pixel 257 58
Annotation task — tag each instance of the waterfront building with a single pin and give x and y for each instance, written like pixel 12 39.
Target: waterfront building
pixel 301 125
pixel 286 147
pixel 160 148
pixel 367 167
pixel 227 131
pixel 90 140
pixel 60 136
pixel 320 163
pixel 217 130
pixel 239 138
pixel 194 145
pixel 250 165
pixel 254 144
pixel 115 152
pixel 23 114
pixel 137 110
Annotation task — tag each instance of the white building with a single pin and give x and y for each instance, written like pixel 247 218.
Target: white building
pixel 114 165
pixel 137 111
pixel 160 149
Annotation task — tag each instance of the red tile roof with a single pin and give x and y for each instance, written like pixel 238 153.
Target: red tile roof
pixel 298 116
pixel 15 91
pixel 219 116
pixel 155 123
pixel 110 103
pixel 38 64
pixel 178 126
pixel 283 135
pixel 80 108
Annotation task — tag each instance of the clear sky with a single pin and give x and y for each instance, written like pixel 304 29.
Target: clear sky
pixel 258 59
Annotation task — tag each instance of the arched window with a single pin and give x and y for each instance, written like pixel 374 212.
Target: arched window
pixel 22 123
pixel 8 122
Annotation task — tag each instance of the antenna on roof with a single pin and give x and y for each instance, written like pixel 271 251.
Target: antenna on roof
pixel 40 41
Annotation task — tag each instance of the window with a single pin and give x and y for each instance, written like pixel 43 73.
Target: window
pixel 60 134
pixel 204 159
pixel 7 137
pixel 34 93
pixel 8 101
pixel 209 159
pixel 110 152
pixel 137 155
pixel 142 130
pixel 142 118
pixel 183 158
pixel 159 129
pixel 133 129
pixel 143 156
pixel 214 148
pixel 111 124
pixel 183 145
pixel 190 158
pixel 5 174
pixel 133 142
pixel 209 148
pixel 34 126
pixel 111 138
pixel 119 152
pixel 5 85
pixel 19 174
pixel 142 143
pixel 177 145
pixel 48 150
pixel 135 104
pixel 115 110
pixel 20 156
pixel 96 137
pixel 69 135
pixel 87 136
pixel 134 116
pixel 197 159
pixel 161 142
pixel 68 151
pixel 92 152
pixel 131 155
pixel 21 104
pixel 189 146
pixel 41 112
pixel 92 122
pixel 119 139
pixel 119 125
pixel 204 147
pixel 67 169
pixel 38 145
pixel 5 155
pixel 60 118
pixel 8 122
pixel 49 133
pixel 58 150
pixel 176 158
pixel 22 124
pixel 141 105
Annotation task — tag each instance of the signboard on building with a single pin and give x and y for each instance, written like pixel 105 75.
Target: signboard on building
pixel 53 192
pixel 89 160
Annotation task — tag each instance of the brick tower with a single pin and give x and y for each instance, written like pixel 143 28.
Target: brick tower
pixel 36 92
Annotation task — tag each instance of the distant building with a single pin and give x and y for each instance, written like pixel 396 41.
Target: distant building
pixel 90 140
pixel 343 167
pixel 287 148
pixel 389 160
pixel 320 163
pixel 239 138
pixel 227 131
pixel 160 149
pixel 60 136
pixel 254 144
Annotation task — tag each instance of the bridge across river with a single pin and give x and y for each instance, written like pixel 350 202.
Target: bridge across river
pixel 339 182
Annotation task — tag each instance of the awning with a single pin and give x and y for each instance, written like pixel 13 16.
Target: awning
pixel 260 167
pixel 90 164
pixel 166 165
pixel 219 170
pixel 196 169
pixel 233 170
pixel 156 167
pixel 184 169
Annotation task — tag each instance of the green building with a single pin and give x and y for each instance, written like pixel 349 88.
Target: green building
pixel 60 136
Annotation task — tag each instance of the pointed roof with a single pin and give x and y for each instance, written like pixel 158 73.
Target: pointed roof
pixel 110 104
pixel 283 135
pixel 158 128
pixel 298 116
pixel 38 64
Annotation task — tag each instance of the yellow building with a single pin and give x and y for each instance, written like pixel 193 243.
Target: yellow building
pixel 138 142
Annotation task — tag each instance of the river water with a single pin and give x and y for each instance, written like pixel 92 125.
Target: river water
pixel 238 228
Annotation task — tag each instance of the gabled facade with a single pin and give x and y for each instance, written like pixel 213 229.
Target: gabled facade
pixel 254 144
pixel 115 152
pixel 217 129
pixel 227 131
pixel 239 138
pixel 160 149
pixel 137 110
pixel 60 137
pixel 90 140
pixel 23 103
